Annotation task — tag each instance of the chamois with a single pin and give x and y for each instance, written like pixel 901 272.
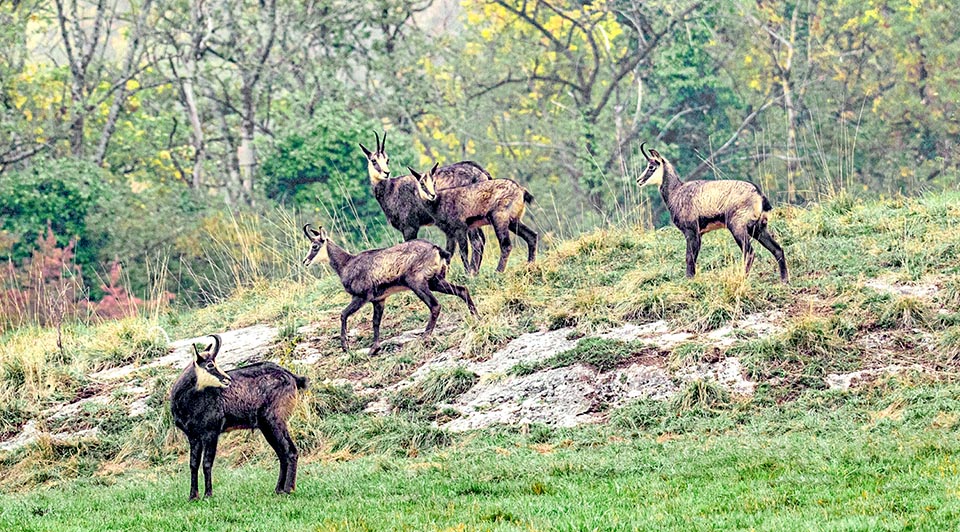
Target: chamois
pixel 500 203
pixel 373 275
pixel 397 196
pixel 206 402
pixel 698 207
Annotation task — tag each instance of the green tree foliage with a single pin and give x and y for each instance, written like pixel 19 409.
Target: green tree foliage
pixel 323 170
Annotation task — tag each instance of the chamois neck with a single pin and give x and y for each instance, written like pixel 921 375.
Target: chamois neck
pixel 671 181
pixel 339 257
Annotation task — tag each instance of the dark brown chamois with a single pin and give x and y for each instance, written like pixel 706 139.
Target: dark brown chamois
pixel 206 402
pixel 499 202
pixel 373 275
pixel 397 196
pixel 698 207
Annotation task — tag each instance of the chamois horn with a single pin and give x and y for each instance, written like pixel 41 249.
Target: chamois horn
pixel 643 151
pixel 216 345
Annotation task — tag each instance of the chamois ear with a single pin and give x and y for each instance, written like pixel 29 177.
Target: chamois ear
pixel 197 356
pixel 366 152
pixel 655 154
pixel 414 173
pixel 322 233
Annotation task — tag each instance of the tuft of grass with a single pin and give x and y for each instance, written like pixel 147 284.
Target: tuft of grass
pixel 701 395
pixel 327 399
pixel 438 386
pixel 604 354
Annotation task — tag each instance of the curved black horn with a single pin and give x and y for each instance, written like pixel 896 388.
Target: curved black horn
pixel 216 344
pixel 383 145
pixel 306 231
pixel 644 152
pixel 379 147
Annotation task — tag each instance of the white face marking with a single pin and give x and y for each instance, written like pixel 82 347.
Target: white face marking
pixel 205 379
pixel 657 177
pixel 427 190
pixel 322 256
pixel 378 167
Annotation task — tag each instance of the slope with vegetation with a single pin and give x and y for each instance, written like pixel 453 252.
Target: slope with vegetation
pixel 851 420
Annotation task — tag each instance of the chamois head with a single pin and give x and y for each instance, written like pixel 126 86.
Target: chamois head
pixel 653 175
pixel 377 161
pixel 427 188
pixel 209 374
pixel 318 247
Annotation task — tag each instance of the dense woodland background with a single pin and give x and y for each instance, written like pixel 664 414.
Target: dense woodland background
pixel 166 150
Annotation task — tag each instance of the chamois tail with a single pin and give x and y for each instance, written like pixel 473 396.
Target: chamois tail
pixel 302 382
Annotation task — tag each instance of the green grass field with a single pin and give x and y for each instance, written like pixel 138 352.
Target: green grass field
pixel 794 456
pixel 827 462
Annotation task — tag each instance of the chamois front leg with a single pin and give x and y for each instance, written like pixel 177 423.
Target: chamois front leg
pixel 209 455
pixel 503 236
pixel 354 306
pixel 196 451
pixel 693 251
pixel 410 233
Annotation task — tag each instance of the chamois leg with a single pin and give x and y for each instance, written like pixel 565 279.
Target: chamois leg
pixel 766 240
pixel 354 306
pixel 445 287
pixel 503 236
pixel 461 239
pixel 477 241
pixel 209 455
pixel 742 237
pixel 196 451
pixel 529 236
pixel 693 251
pixel 422 290
pixel 266 427
pixel 377 317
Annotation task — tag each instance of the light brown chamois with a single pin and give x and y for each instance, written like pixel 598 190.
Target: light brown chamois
pixel 500 203
pixel 373 275
pixel 396 196
pixel 698 207
pixel 206 402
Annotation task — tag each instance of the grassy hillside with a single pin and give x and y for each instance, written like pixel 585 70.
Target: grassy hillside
pixel 873 284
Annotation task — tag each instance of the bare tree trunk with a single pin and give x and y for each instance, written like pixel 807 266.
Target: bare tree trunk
pixel 196 126
pixel 788 104
pixel 246 152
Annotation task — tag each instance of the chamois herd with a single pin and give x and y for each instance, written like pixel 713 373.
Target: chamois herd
pixel 459 199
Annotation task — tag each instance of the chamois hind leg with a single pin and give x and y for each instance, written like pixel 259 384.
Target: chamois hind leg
pixel 503 236
pixel 266 427
pixel 422 290
pixel 196 452
pixel 209 455
pixel 477 241
pixel 529 236
pixel 377 317
pixel 354 306
pixel 742 236
pixel 445 287
pixel 693 251
pixel 762 234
